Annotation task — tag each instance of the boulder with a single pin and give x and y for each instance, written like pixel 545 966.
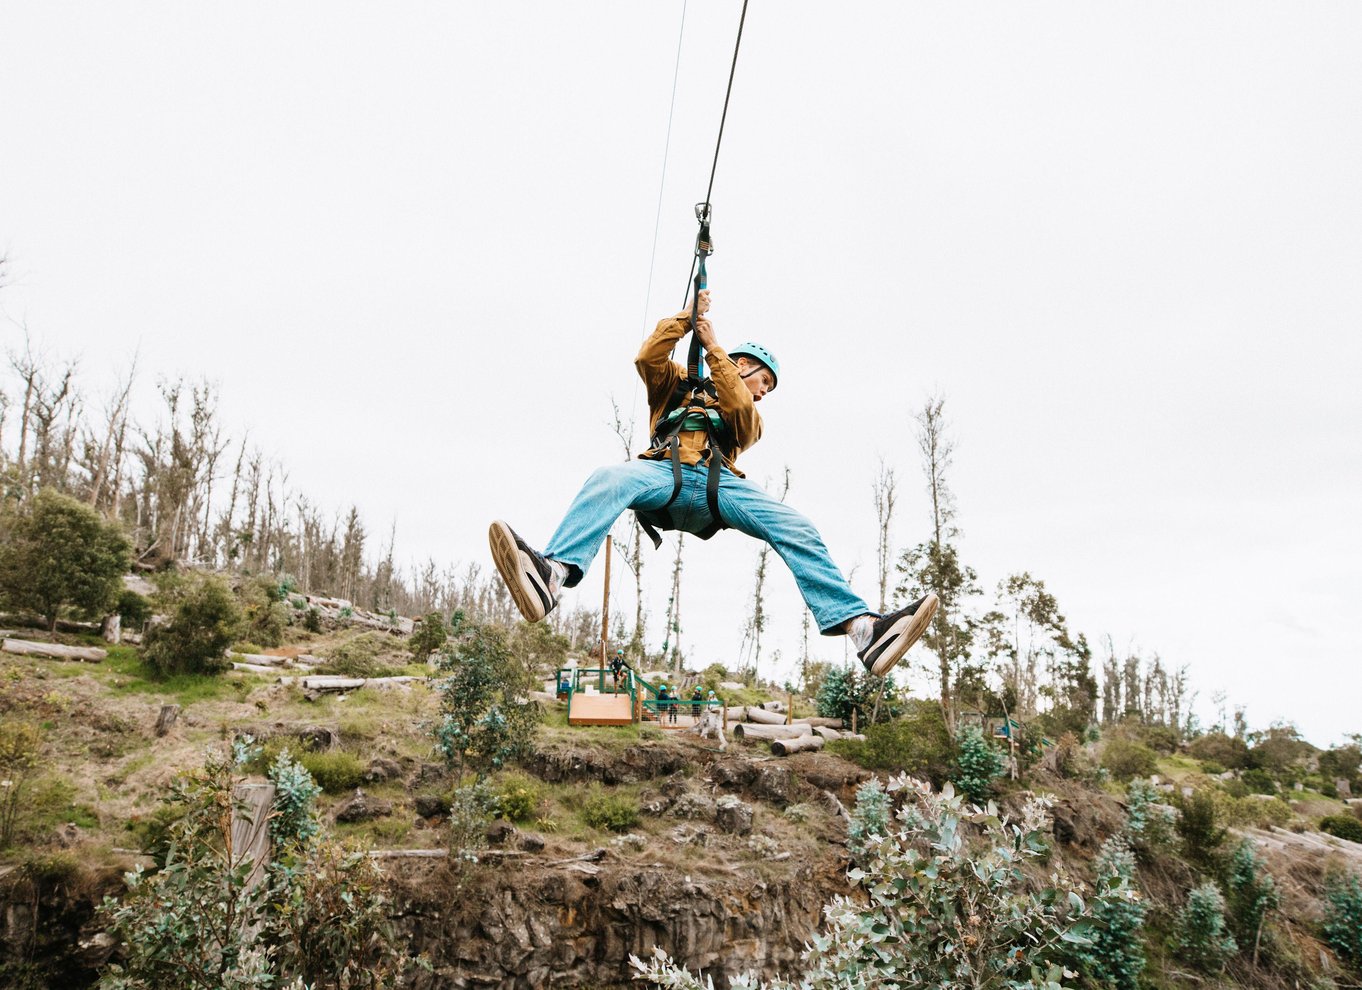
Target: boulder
pixel 382 768
pixel 431 805
pixel 733 816
pixel 360 807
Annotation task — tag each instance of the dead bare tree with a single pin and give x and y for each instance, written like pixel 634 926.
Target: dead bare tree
pixel 885 489
pixel 631 550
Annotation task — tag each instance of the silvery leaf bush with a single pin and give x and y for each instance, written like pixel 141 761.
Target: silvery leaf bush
pixel 943 901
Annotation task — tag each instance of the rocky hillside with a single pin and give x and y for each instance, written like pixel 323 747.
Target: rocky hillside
pixel 613 839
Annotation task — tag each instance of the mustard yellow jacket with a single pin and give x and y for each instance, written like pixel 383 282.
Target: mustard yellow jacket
pixel 661 375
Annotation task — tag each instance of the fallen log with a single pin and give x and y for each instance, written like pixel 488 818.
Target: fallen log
pixel 334 682
pixel 259 659
pixel 774 706
pixel 254 668
pixel 753 714
pixel 818 720
pixel 784 747
pixel 408 853
pixel 837 734
pixel 90 654
pixel 752 730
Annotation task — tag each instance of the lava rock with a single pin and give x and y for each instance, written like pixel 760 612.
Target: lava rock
pixel 733 816
pixel 531 843
pixel 431 805
pixel 362 808
pixel 500 832
pixel 382 768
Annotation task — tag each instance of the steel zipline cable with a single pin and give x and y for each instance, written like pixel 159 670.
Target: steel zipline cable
pixel 714 168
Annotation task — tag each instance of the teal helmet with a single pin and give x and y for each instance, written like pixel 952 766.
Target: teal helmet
pixel 761 354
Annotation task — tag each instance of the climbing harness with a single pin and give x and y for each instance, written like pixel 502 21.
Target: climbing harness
pixel 686 409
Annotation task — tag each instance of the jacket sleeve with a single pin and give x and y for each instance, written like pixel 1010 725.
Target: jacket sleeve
pixel 655 366
pixel 736 405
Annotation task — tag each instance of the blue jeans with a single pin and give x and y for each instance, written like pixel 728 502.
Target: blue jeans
pixel 745 507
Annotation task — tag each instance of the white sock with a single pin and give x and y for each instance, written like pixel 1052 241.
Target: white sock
pixel 558 572
pixel 859 629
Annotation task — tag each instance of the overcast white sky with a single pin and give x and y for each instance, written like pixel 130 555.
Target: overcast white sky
pixel 411 243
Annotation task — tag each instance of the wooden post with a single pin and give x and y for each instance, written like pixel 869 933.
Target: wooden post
pixel 605 609
pixel 853 721
pixel 169 713
pixel 725 716
pixel 789 707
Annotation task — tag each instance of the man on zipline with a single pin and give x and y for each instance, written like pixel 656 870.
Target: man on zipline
pixel 666 485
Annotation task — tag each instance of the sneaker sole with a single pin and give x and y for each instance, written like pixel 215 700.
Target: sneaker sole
pixel 914 626
pixel 515 568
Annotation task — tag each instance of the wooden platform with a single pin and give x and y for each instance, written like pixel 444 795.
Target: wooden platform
pixel 599 709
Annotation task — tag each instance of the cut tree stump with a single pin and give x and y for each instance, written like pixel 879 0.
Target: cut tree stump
pixel 91 654
pixel 164 721
pixel 784 747
pixel 752 730
pixel 251 805
pixel 112 629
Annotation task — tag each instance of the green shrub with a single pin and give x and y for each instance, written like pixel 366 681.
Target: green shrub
pixel 1227 751
pixel 1254 811
pixel 869 818
pixel 295 817
pixel 204 621
pixel 934 911
pixel 263 610
pixel 916 743
pixel 20 751
pixel 363 656
pixel 1124 759
pixel 133 609
pixel 1250 893
pixel 59 553
pixel 1342 925
pixel 485 717
pixel 1202 938
pixel 317 918
pixel 1258 781
pixel 847 692
pixel 611 812
pixel 429 636
pixel 1159 738
pixel 1199 828
pixel 977 764
pixel 312 620
pixel 335 772
pixel 1342 827
pixel 1116 955
pixel 1149 824
pixel 519 797
pixel 1211 768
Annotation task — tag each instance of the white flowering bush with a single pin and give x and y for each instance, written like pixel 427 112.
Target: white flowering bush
pixel 933 909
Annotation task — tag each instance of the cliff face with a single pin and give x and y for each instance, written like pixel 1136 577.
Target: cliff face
pixel 577 926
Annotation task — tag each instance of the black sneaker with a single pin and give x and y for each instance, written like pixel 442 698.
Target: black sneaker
pixel 526 573
pixel 893 634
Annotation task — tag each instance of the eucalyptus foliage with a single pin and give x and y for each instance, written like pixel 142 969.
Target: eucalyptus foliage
pixel 933 910
pixel 1203 938
pixel 1342 925
pixel 1116 955
pixel 977 764
pixel 486 715
pixel 213 919
pixel 1250 893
